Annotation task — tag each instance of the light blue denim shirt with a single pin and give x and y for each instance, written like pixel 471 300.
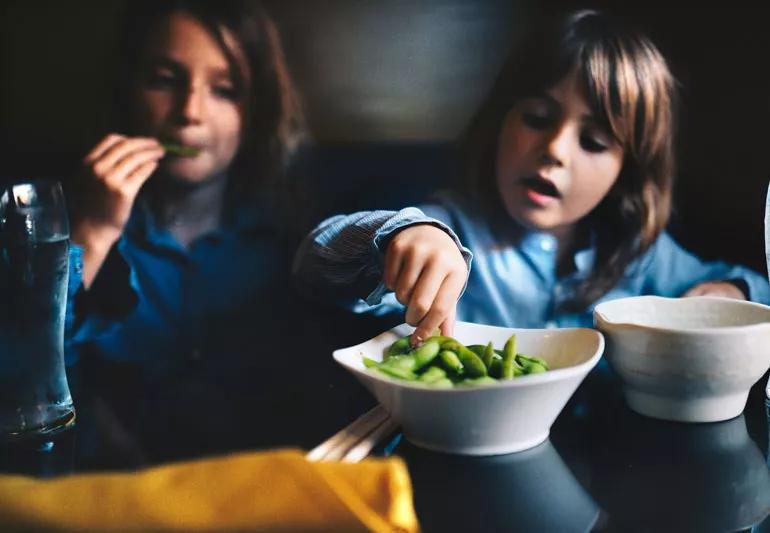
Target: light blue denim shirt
pixel 513 285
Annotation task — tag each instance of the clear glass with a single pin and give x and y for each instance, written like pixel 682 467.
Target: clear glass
pixel 35 399
pixel 767 255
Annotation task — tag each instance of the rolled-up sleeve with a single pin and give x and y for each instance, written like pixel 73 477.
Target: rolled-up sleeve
pixel 343 257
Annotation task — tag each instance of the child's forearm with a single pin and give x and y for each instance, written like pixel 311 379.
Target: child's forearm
pixel 96 241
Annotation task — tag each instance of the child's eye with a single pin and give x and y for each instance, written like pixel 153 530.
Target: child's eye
pixel 228 92
pixel 593 142
pixel 162 79
pixel 536 120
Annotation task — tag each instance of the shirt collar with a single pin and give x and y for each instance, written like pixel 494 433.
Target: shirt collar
pixel 541 243
pixel 243 218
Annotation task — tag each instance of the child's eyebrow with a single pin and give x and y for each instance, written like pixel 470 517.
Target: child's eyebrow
pixel 218 73
pixel 548 97
pixel 588 117
pixel 163 61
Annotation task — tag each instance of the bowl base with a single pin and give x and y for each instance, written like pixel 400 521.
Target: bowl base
pixel 499 449
pixel 714 409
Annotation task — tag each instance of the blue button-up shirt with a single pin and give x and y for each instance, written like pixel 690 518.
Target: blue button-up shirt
pixel 512 284
pixel 160 305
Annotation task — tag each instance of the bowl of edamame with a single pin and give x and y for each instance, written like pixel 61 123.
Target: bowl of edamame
pixel 486 390
pixel 686 359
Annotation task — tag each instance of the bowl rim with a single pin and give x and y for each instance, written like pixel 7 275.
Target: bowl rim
pixel 600 318
pixel 531 380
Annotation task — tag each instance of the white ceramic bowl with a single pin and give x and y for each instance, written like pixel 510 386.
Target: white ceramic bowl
pixel 686 359
pixel 504 417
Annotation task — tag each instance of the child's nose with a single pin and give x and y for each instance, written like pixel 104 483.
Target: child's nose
pixel 558 146
pixel 193 106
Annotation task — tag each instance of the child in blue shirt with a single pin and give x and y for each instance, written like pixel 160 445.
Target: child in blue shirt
pixel 180 274
pixel 569 165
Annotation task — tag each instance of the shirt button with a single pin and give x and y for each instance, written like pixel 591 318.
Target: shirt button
pixel 547 245
pixel 551 324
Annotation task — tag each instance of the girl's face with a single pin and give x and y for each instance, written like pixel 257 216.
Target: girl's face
pixel 186 96
pixel 554 162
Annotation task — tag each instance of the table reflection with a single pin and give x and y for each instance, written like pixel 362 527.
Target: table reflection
pixel 533 490
pixel 656 475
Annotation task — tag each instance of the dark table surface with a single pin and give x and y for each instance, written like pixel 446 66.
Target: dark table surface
pixel 604 467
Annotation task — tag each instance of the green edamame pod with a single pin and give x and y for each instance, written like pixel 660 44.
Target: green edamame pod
pixel 433 373
pixel 450 361
pixel 426 353
pixel 180 149
pixel 508 370
pixel 396 372
pixel 401 346
pixel 509 358
pixel 443 383
pixel 489 354
pixel 472 363
pixel 370 363
pixel 510 347
pixel 403 362
pixel 439 338
pixel 535 368
pixel 478 349
pixel 523 360
pixel 481 380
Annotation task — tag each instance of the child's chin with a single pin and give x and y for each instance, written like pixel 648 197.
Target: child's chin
pixel 536 221
pixel 186 171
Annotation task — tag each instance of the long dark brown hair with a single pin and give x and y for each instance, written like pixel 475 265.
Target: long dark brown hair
pixel 631 91
pixel 272 116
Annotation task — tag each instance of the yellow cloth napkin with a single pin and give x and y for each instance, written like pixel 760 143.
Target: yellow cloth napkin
pixel 259 491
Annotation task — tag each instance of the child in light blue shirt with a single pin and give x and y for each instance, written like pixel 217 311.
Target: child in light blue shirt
pixel 569 167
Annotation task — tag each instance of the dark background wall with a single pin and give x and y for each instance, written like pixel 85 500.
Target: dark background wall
pixel 388 83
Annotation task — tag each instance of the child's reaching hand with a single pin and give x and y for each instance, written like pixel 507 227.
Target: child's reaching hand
pixel 427 272
pixel 715 288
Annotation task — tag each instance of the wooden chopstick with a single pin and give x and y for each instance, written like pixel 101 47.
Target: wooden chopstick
pixel 365 428
pixel 365 445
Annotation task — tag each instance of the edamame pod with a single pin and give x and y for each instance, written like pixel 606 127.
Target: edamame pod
pixel 401 346
pixel 433 373
pixel 397 372
pixel 450 361
pixel 489 354
pixel 481 380
pixel 535 368
pixel 426 353
pixel 404 362
pixel 509 358
pixel 478 349
pixel 472 363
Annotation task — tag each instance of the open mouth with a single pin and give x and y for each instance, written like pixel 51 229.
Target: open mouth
pixel 541 186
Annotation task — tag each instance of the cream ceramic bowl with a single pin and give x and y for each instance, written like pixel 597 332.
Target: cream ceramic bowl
pixel 504 417
pixel 686 359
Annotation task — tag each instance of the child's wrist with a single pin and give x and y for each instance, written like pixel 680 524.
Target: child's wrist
pixel 95 238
